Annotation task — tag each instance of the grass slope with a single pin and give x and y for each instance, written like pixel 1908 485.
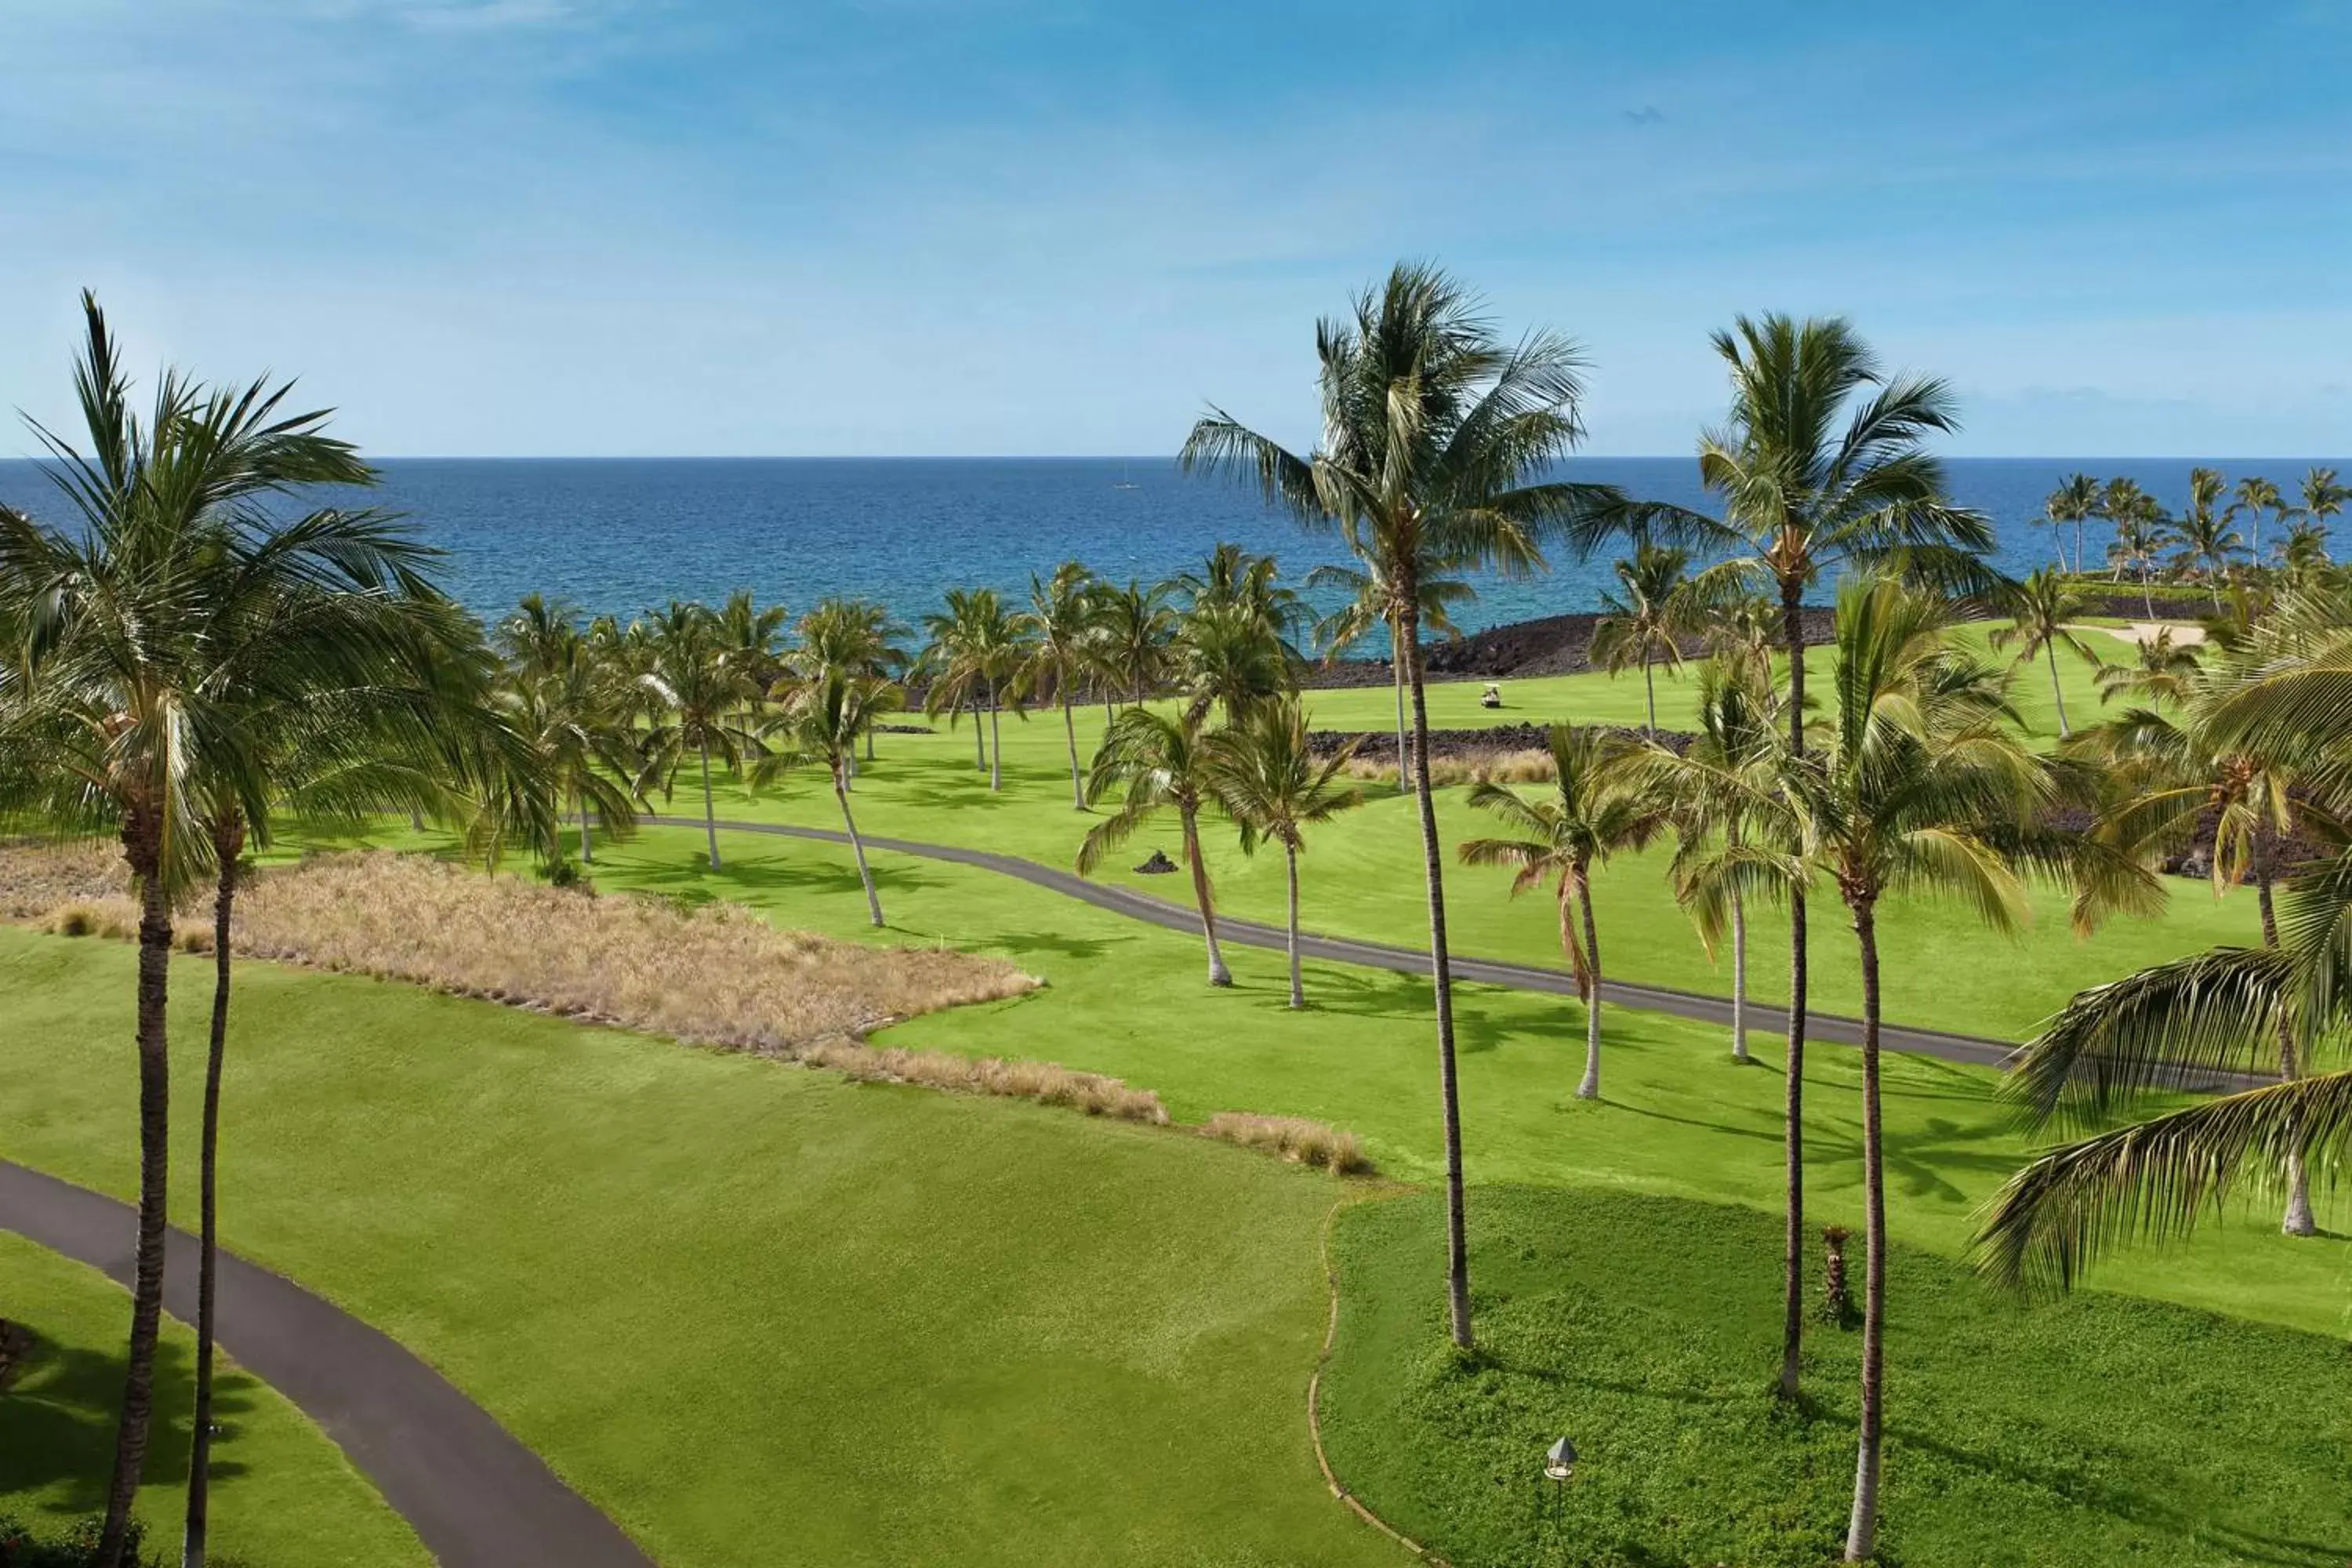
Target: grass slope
pixel 762 1315
pixel 2087 1432
pixel 283 1494
pixel 1362 873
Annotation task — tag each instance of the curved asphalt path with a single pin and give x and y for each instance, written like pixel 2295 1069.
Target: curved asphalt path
pixel 475 1496
pixel 1763 1017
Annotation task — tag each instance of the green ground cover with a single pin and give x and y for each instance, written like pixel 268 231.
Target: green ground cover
pixel 759 1314
pixel 1363 876
pixel 283 1494
pixel 2088 1432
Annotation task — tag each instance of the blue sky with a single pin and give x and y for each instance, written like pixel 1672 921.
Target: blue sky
pixel 902 226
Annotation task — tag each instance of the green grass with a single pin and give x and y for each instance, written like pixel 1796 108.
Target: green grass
pixel 1363 874
pixel 283 1494
pixel 760 1315
pixel 2087 1432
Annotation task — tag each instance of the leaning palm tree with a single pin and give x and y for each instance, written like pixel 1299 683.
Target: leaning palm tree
pixel 1594 812
pixel 147 636
pixel 1370 607
pixel 702 691
pixel 1659 605
pixel 1162 764
pixel 1438 442
pixel 2074 502
pixel 2163 671
pixel 1269 780
pixel 1060 623
pixel 2042 612
pixel 1821 463
pixel 2257 495
pixel 1920 786
pixel 823 719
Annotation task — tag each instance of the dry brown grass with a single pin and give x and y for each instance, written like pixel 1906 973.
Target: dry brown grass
pixel 1473 767
pixel 1293 1138
pixel 1043 1082
pixel 38 877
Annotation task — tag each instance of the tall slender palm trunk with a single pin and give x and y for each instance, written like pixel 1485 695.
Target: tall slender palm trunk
pixel 978 741
pixel 1070 734
pixel 1739 979
pixel 1588 1086
pixel 1297 991
pixel 1650 691
pixel 1397 679
pixel 1861 1530
pixel 1218 974
pixel 857 845
pixel 710 809
pixel 2057 692
pixel 142 846
pixel 995 744
pixel 2298 1219
pixel 1440 974
pixel 1793 1281
pixel 228 843
pixel 587 845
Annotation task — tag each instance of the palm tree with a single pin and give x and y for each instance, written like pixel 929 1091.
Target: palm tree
pixel 2322 497
pixel 571 710
pixel 975 655
pixel 2206 538
pixel 1270 782
pixel 1437 442
pixel 701 691
pixel 1920 786
pixel 2256 496
pixel 2141 533
pixel 1821 463
pixel 1227 656
pixel 1133 639
pixel 2163 672
pixel 2074 501
pixel 1231 575
pixel 752 635
pixel 1060 625
pixel 824 717
pixel 1162 763
pixel 2042 610
pixel 1370 605
pixel 1661 604
pixel 177 607
pixel 854 635
pixel 1561 840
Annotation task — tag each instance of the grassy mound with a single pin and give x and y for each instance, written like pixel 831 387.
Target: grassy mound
pixel 283 1494
pixel 2093 1431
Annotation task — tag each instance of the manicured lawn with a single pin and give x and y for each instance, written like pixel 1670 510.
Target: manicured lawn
pixel 762 1315
pixel 283 1494
pixel 2089 1432
pixel 1364 872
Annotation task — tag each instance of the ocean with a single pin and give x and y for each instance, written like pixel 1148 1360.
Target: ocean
pixel 619 535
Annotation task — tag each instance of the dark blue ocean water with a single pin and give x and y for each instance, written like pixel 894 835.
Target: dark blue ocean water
pixel 621 534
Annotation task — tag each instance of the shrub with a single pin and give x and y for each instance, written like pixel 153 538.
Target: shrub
pixel 1293 1138
pixel 116 918
pixel 1472 767
pixel 20 1547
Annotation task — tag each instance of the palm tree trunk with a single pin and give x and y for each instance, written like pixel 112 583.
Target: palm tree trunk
pixel 1861 1530
pixel 857 846
pixel 995 745
pixel 2057 692
pixel 142 846
pixel 1405 757
pixel 978 741
pixel 1650 691
pixel 1588 1086
pixel 1739 979
pixel 1449 1088
pixel 228 843
pixel 1793 1281
pixel 1218 974
pixel 709 811
pixel 2078 547
pixel 1298 992
pixel 2298 1219
pixel 587 848
pixel 1070 732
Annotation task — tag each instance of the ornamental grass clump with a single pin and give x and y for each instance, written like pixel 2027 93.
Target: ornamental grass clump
pixel 1047 1083
pixel 1294 1138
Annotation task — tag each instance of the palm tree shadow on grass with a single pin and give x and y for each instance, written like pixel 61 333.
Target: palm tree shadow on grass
pixel 695 882
pixel 56 1423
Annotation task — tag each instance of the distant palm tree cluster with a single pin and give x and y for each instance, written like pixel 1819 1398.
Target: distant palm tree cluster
pixel 2215 539
pixel 192 662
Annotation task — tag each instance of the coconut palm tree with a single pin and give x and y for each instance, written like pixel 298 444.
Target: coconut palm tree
pixel 753 634
pixel 1368 606
pixel 2075 500
pixel 1162 764
pixel 177 606
pixel 1438 441
pixel 2256 496
pixel 701 691
pixel 823 718
pixel 1060 624
pixel 2323 496
pixel 2142 531
pixel 1268 779
pixel 573 711
pixel 1920 786
pixel 2163 672
pixel 976 653
pixel 1231 575
pixel 854 635
pixel 1133 640
pixel 1228 656
pixel 1821 463
pixel 2207 540
pixel 2042 610
pixel 1594 812
pixel 1659 605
